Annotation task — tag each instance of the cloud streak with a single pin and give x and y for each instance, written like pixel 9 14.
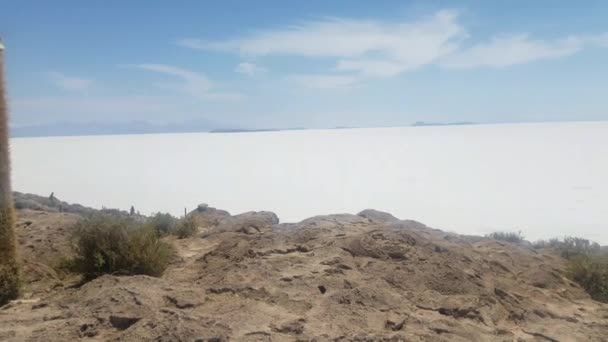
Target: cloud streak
pixel 249 69
pixel 516 49
pixel 69 82
pixel 194 84
pixel 397 46
pixel 362 49
pixel 324 81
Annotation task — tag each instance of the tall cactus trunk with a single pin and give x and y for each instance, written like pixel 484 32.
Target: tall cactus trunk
pixel 9 268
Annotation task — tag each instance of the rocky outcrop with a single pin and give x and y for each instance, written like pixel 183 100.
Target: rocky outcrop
pixel 207 217
pixel 53 204
pixel 377 216
pixel 328 278
pixel 252 222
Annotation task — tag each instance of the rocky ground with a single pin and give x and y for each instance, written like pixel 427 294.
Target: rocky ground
pixel 365 277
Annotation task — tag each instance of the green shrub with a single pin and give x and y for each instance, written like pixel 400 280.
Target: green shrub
pixel 507 236
pixel 116 245
pixel 163 223
pixel 551 243
pixel 591 272
pixel 185 228
pixel 10 282
pixel 570 247
pixel 587 264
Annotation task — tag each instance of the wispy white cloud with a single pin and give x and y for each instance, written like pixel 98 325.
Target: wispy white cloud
pixel 69 82
pixel 324 81
pixel 249 69
pixel 373 67
pixel 396 46
pixel 192 83
pixel 512 50
pixel 363 49
pixel 338 37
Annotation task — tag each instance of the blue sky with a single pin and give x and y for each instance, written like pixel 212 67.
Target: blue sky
pixel 306 63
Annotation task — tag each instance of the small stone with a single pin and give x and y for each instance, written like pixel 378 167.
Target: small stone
pixel 295 328
pixel 123 322
pixel 394 326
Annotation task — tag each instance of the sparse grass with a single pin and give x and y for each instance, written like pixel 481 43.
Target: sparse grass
pixel 116 245
pixel 185 228
pixel 587 264
pixel 511 237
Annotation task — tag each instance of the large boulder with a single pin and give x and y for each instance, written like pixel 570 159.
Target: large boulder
pixel 207 217
pixel 252 222
pixel 377 216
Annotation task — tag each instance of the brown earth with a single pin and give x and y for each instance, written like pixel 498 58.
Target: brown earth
pixel 367 277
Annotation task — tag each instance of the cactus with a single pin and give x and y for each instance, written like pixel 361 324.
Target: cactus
pixel 9 268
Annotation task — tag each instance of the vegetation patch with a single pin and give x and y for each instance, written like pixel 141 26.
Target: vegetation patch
pixel 587 264
pixel 591 272
pixel 511 237
pixel 571 247
pixel 109 244
pixel 163 223
pixel 185 227
pixel 166 224
pixel 10 282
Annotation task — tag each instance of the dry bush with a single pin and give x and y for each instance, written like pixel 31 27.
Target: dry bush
pixel 163 223
pixel 507 236
pixel 570 247
pixel 115 245
pixel 551 243
pixel 10 282
pixel 591 272
pixel 587 264
pixel 573 246
pixel 185 228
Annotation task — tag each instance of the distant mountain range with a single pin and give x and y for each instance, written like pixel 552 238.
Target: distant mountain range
pixel 133 127
pixel 243 130
pixel 143 127
pixel 457 123
pixel 99 128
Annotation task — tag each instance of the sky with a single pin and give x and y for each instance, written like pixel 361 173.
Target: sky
pixel 262 64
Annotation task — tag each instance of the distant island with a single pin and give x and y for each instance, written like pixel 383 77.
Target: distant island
pixel 457 123
pixel 245 130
